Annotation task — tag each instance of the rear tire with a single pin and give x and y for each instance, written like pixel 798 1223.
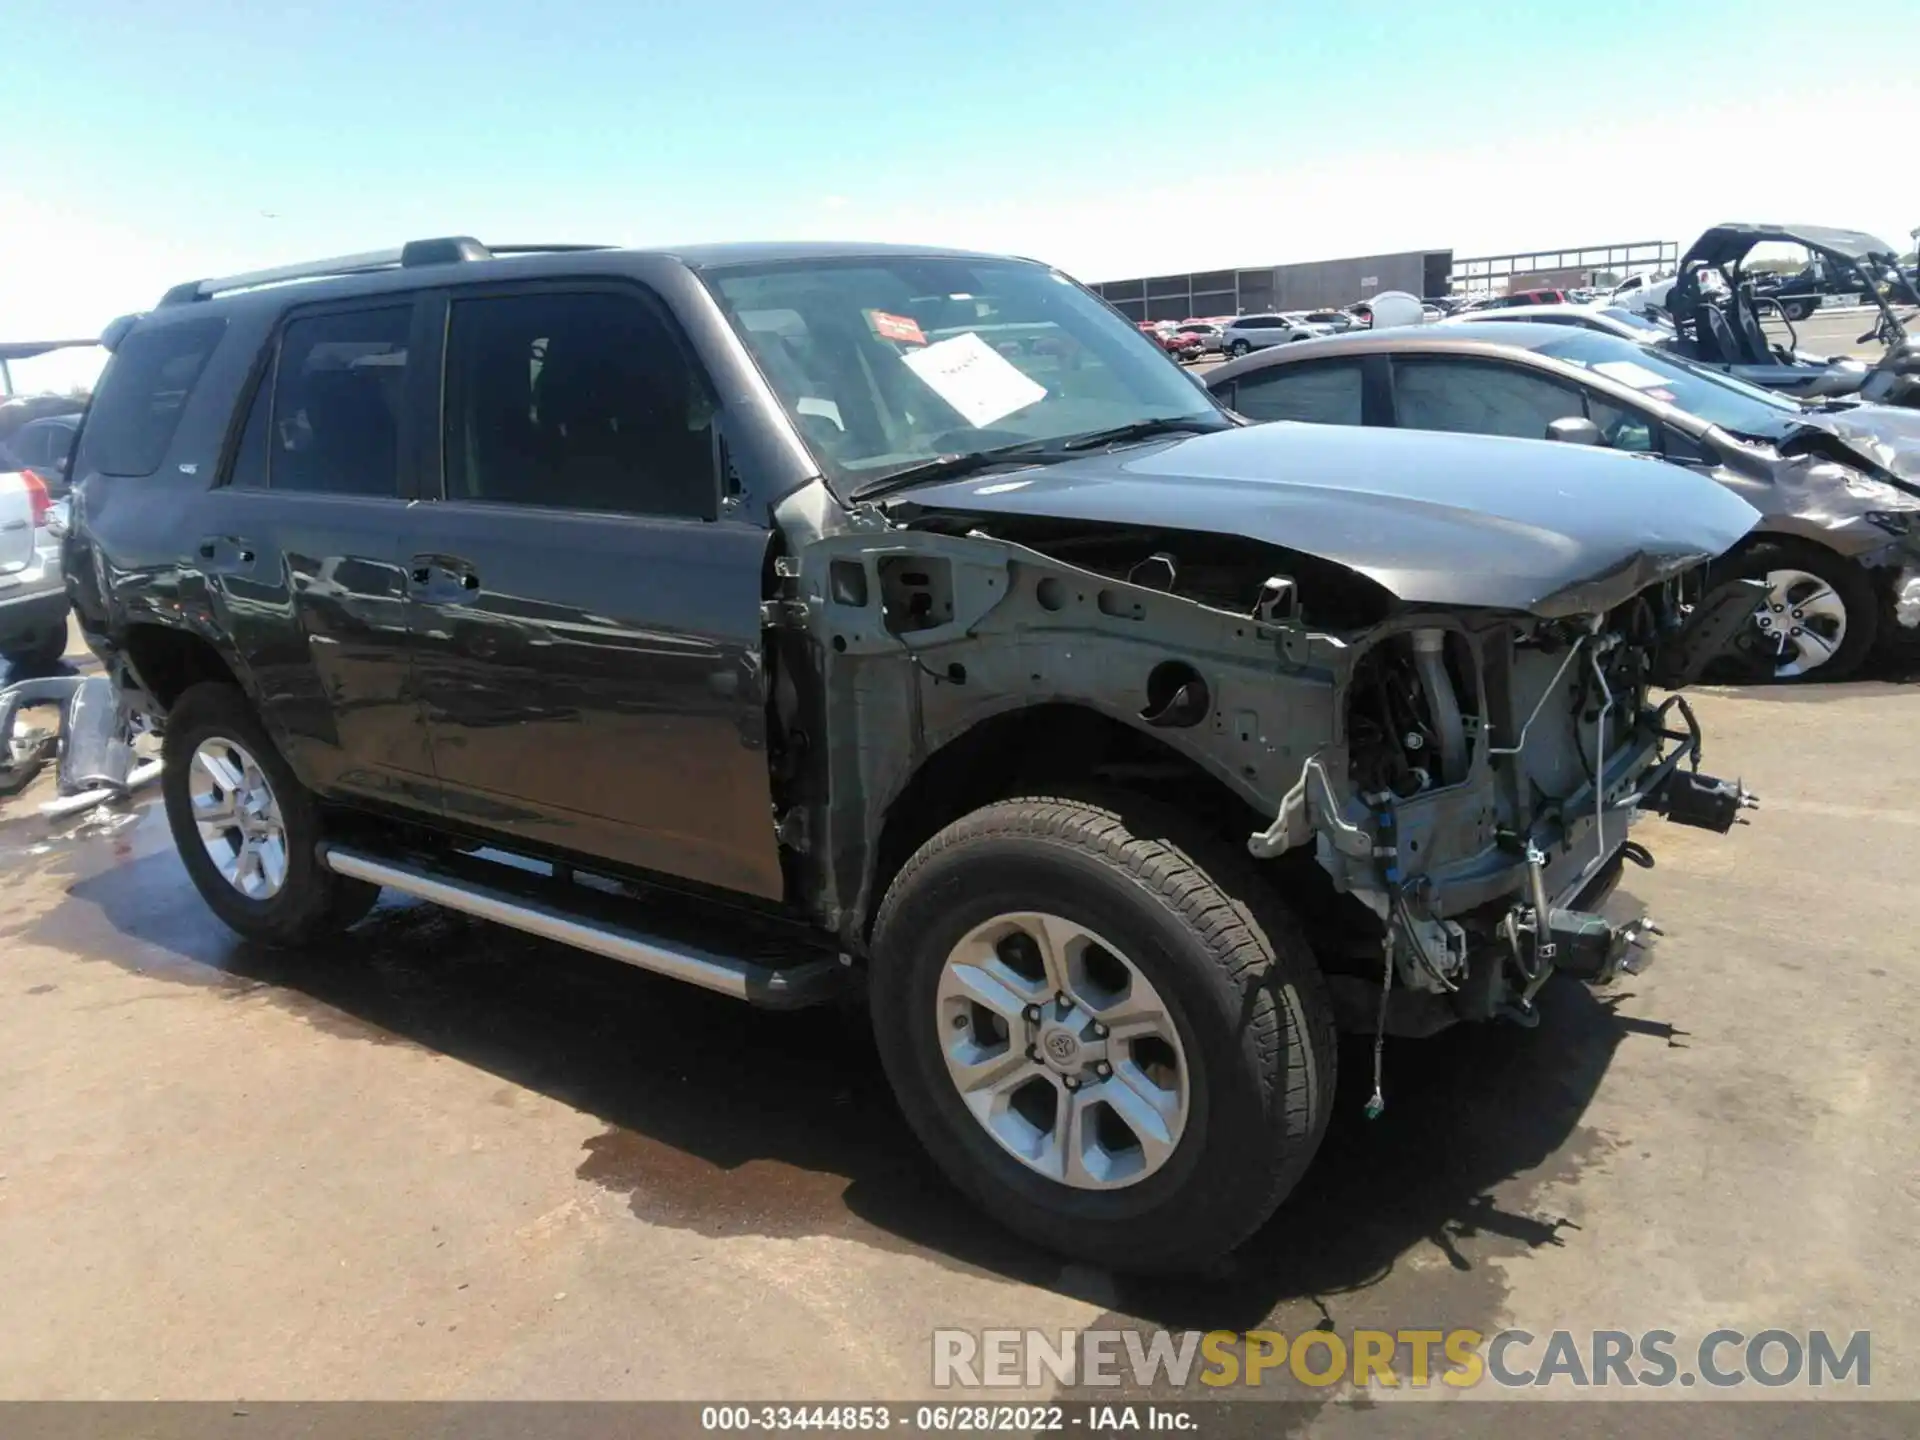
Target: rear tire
pixel 1239 348
pixel 210 724
pixel 1250 1045
pixel 1796 310
pixel 1853 601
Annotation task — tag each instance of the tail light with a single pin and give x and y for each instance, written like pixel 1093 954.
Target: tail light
pixel 38 497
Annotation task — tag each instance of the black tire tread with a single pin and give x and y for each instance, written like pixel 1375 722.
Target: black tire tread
pixel 315 903
pixel 1255 940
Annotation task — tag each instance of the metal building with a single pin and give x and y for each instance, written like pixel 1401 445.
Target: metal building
pixel 1562 269
pixel 1313 285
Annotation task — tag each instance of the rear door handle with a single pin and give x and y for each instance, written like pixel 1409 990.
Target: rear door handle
pixel 227 551
pixel 444 577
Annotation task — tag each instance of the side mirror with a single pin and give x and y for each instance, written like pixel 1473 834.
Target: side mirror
pixel 1574 430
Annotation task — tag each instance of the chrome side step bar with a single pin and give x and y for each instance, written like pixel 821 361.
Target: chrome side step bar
pixel 783 988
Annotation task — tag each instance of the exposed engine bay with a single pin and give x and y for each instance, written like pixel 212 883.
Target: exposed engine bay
pixel 1493 772
pixel 1463 779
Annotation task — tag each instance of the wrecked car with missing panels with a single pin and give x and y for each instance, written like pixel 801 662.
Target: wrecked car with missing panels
pixel 805 621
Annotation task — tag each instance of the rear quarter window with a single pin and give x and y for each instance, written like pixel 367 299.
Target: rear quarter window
pixel 142 395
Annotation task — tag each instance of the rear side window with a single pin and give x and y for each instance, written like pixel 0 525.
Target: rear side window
pixel 1322 394
pixel 141 396
pixel 338 395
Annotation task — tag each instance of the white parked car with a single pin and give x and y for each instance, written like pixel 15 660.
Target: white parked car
pixel 1640 293
pixel 33 597
pixel 1247 333
pixel 1607 319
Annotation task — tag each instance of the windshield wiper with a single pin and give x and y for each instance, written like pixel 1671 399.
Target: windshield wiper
pixel 1139 430
pixel 950 467
pixel 970 462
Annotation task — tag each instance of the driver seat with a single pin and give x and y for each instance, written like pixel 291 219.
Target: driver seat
pixel 1758 350
pixel 1725 343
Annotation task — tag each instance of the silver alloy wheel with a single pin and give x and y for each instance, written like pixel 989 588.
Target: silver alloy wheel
pixel 1063 1051
pixel 238 817
pixel 1803 620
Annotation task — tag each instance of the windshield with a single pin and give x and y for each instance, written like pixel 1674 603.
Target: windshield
pixel 886 362
pixel 1716 398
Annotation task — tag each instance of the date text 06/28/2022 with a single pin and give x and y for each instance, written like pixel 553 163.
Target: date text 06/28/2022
pixel 962 1418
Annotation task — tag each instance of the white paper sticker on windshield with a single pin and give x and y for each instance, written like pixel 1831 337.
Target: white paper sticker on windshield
pixel 1631 372
pixel 974 378
pixel 825 409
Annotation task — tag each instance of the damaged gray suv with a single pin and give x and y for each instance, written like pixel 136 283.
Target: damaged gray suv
pixel 807 620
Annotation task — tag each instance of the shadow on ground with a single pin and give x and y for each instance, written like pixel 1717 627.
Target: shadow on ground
pixel 727 1120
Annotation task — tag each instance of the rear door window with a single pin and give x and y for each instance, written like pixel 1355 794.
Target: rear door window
pixel 338 398
pixel 143 394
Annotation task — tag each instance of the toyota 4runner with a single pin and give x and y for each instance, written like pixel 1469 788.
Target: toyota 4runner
pixel 803 620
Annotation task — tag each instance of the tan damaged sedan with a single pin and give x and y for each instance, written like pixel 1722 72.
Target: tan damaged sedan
pixel 1838 486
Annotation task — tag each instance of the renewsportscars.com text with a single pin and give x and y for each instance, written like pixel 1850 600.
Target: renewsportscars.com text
pixel 1416 1359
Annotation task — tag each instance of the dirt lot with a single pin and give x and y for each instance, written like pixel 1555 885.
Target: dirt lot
pixel 443 1160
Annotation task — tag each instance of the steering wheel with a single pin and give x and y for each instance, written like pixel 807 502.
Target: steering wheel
pixel 1882 331
pixel 1793 335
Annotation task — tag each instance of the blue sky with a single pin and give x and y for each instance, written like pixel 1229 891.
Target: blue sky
pixel 1112 139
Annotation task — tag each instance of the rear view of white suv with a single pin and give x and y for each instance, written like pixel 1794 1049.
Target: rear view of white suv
pixel 33 597
pixel 1257 332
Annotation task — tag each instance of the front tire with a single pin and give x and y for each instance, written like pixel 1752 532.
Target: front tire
pixel 1796 310
pixel 1114 1053
pixel 247 830
pixel 1818 621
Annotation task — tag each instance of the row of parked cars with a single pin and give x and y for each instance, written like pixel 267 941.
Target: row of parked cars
pixel 1236 335
pixel 1827 448
pixel 36 438
pixel 798 620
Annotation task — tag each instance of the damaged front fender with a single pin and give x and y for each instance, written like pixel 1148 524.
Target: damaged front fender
pixel 915 639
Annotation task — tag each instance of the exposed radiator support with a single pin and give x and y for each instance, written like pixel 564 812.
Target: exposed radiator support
pixel 1429 659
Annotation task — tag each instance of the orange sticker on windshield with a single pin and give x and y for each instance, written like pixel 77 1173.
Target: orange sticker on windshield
pixel 903 328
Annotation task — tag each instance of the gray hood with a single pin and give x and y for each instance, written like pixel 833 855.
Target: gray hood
pixel 1436 519
pixel 1887 435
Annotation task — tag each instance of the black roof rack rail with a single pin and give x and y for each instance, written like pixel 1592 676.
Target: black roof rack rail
pixel 444 250
pixel 28 349
pixel 363 263
pixel 441 250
